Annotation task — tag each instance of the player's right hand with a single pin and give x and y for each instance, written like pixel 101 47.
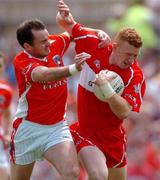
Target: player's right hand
pixel 63 9
pixel 101 79
pixel 104 38
pixel 80 59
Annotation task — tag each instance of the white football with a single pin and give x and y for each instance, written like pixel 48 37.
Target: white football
pixel 116 83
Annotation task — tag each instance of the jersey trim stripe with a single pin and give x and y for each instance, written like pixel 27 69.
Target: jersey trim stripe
pixel 86 36
pixel 123 156
pixel 64 42
pixel 22 108
pixel 132 73
pixel 140 94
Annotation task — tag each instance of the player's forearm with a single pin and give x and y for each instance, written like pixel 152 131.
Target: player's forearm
pixel 65 23
pixel 51 74
pixel 56 73
pixel 119 106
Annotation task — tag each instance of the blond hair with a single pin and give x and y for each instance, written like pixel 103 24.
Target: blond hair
pixel 130 35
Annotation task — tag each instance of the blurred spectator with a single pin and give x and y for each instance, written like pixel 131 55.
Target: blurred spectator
pixel 139 16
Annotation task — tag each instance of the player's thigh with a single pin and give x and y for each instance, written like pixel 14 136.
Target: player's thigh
pixel 21 172
pixel 118 173
pixel 93 161
pixel 63 156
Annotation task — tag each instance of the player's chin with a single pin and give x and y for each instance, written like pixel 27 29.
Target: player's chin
pixel 124 66
pixel 46 52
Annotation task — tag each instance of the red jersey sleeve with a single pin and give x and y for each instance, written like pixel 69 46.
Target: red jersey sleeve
pixel 24 66
pixel 61 42
pixel 134 92
pixel 86 41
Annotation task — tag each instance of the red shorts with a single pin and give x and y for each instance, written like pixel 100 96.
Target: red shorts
pixel 115 151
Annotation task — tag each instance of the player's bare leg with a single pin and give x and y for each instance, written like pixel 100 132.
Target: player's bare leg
pixel 94 162
pixel 118 173
pixel 63 156
pixel 21 172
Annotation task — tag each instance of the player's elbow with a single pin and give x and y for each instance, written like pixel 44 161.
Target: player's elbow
pixel 125 112
pixel 123 115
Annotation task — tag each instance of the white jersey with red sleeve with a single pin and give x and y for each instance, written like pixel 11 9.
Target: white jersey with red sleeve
pixel 42 102
pixel 95 116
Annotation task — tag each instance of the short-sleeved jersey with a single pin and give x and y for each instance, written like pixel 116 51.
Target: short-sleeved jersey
pixel 6 94
pixel 42 102
pixel 94 116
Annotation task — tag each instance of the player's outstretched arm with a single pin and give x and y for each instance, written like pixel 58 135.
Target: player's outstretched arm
pixel 66 21
pixel 42 73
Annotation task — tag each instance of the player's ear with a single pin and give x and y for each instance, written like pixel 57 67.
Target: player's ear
pixel 115 45
pixel 27 47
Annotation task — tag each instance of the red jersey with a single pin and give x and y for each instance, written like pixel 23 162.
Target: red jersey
pixel 42 102
pixel 95 117
pixel 5 97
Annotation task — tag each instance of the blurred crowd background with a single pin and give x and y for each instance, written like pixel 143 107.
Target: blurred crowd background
pixel 143 129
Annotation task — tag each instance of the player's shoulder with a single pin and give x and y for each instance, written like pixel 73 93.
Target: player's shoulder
pixel 79 31
pixel 137 70
pixel 23 59
pixel 59 41
pixel 59 37
pixel 20 57
pixel 134 74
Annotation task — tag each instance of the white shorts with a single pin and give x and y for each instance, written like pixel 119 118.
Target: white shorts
pixel 3 156
pixel 31 140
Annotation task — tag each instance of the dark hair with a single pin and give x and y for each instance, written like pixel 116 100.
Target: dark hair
pixel 24 31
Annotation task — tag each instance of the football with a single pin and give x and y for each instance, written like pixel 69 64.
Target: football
pixel 116 83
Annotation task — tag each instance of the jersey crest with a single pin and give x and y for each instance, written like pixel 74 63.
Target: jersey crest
pixel 137 88
pixel 97 63
pixel 57 60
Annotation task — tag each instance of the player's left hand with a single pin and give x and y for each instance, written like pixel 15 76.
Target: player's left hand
pixel 80 59
pixel 104 39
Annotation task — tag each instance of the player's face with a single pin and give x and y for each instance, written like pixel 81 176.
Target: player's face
pixel 1 65
pixel 125 54
pixel 41 46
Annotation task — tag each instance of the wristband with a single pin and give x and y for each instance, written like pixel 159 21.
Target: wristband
pixel 107 90
pixel 72 69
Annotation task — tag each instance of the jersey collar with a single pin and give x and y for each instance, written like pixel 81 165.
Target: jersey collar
pixel 40 59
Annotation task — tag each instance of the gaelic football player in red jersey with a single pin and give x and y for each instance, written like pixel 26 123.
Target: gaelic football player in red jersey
pixel 40 129
pixel 6 94
pixel 99 134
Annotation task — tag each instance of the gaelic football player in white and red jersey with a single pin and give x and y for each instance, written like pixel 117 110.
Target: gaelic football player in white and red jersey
pixel 6 94
pixel 99 134
pixel 39 129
